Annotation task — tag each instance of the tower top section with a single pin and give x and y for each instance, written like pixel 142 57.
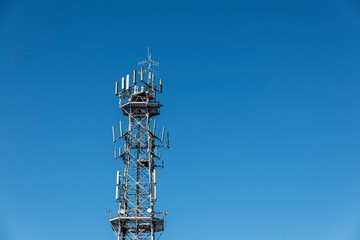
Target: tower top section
pixel 134 95
pixel 147 86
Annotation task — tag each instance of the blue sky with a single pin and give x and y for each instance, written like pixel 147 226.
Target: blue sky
pixel 261 101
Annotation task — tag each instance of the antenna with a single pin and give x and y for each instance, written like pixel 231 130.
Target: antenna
pixel 155 176
pixel 142 74
pixel 120 129
pixel 149 63
pixel 160 85
pixel 168 145
pixel 153 81
pixel 127 81
pixel 118 183
pixel 155 193
pixel 162 135
pixel 117 194
pixel 118 178
pixel 116 88
pixel 154 126
pixel 113 131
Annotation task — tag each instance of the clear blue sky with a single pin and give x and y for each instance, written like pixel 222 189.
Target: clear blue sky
pixel 261 101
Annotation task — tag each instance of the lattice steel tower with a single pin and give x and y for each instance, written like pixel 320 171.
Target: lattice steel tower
pixel 136 190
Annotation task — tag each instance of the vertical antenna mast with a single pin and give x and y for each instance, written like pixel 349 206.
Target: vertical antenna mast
pixel 136 190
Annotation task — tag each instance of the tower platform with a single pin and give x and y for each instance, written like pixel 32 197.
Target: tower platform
pixel 143 224
pixel 141 109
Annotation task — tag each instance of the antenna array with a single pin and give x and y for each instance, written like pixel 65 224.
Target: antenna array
pixel 136 187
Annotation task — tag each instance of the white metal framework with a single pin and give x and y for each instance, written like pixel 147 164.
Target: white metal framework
pixel 136 190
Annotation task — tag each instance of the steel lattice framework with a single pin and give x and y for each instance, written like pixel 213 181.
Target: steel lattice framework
pixel 136 190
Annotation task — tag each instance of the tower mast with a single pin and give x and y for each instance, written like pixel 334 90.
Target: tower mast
pixel 136 187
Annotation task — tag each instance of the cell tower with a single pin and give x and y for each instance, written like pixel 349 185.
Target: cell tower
pixel 136 190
